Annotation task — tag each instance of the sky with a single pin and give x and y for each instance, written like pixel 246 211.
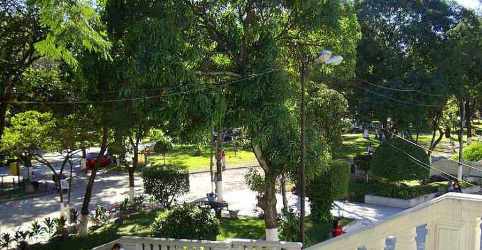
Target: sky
pixel 471 4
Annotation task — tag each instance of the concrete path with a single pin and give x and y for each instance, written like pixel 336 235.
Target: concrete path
pixel 111 188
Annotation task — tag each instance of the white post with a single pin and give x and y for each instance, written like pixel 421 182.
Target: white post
pixel 472 234
pixel 84 225
pixel 272 234
pixel 132 193
pixel 219 191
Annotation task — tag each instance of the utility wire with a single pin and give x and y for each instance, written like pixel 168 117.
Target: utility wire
pixel 205 87
pixel 461 163
pixel 398 100
pixel 424 165
pixel 401 90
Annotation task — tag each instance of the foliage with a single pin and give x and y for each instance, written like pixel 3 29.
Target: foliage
pixel 402 62
pixel 326 109
pixel 165 183
pixel 396 160
pixel 49 226
pixel 289 226
pixel 60 223
pixel 327 187
pixel 163 146
pixel 36 229
pixel 254 180
pixel 473 152
pixel 363 161
pixel 140 225
pixel 6 240
pixel 28 132
pixel 73 216
pixel 403 190
pixel 187 222
pixel 101 216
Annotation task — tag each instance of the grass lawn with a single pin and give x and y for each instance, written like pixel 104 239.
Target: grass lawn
pixel 354 144
pixel 187 157
pixel 139 225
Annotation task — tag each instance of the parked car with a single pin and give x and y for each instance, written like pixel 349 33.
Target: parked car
pixel 91 159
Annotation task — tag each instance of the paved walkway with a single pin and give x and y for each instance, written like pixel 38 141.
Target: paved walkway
pixel 111 188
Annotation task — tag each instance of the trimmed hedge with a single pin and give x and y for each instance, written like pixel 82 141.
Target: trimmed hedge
pixel 359 188
pixel 325 188
pixel 187 222
pixel 165 183
pixel 392 161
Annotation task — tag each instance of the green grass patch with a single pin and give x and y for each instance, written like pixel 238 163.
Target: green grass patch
pixel 139 225
pixel 242 228
pixel 195 160
pixel 354 144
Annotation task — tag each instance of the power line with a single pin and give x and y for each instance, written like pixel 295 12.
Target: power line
pixel 398 100
pixel 422 164
pixel 461 163
pixel 146 97
pixel 401 90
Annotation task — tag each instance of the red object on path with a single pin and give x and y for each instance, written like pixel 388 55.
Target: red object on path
pixel 91 159
pixel 337 231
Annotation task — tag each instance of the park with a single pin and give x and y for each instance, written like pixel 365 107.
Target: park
pixel 200 124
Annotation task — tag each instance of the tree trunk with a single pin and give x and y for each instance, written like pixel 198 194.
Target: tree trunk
pixel 468 121
pixel 7 93
pixel 219 168
pixel 84 219
pixel 269 206
pixel 461 139
pixel 283 192
pixel 70 183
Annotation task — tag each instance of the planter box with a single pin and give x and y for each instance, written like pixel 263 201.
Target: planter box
pixel 401 203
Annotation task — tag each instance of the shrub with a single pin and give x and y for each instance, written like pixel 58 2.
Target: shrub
pixel 289 226
pixel 391 161
pixel 101 216
pixel 165 183
pixel 363 162
pixel 326 187
pixel 473 152
pixel 163 147
pixel 187 222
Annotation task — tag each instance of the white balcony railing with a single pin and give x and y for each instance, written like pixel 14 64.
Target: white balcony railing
pixel 144 243
pixel 449 222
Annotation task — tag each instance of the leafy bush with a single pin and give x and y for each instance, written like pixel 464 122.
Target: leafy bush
pixel 254 180
pixel 101 216
pixel 165 183
pixel 163 146
pixel 326 187
pixel 187 222
pixel 392 161
pixel 363 161
pixel 473 152
pixel 289 226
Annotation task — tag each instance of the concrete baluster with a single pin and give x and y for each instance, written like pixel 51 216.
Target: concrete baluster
pixel 407 240
pixel 472 234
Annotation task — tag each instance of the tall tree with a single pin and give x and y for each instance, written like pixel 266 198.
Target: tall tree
pixel 30 30
pixel 398 63
pixel 248 42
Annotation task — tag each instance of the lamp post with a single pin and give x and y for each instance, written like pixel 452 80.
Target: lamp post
pixel 325 57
